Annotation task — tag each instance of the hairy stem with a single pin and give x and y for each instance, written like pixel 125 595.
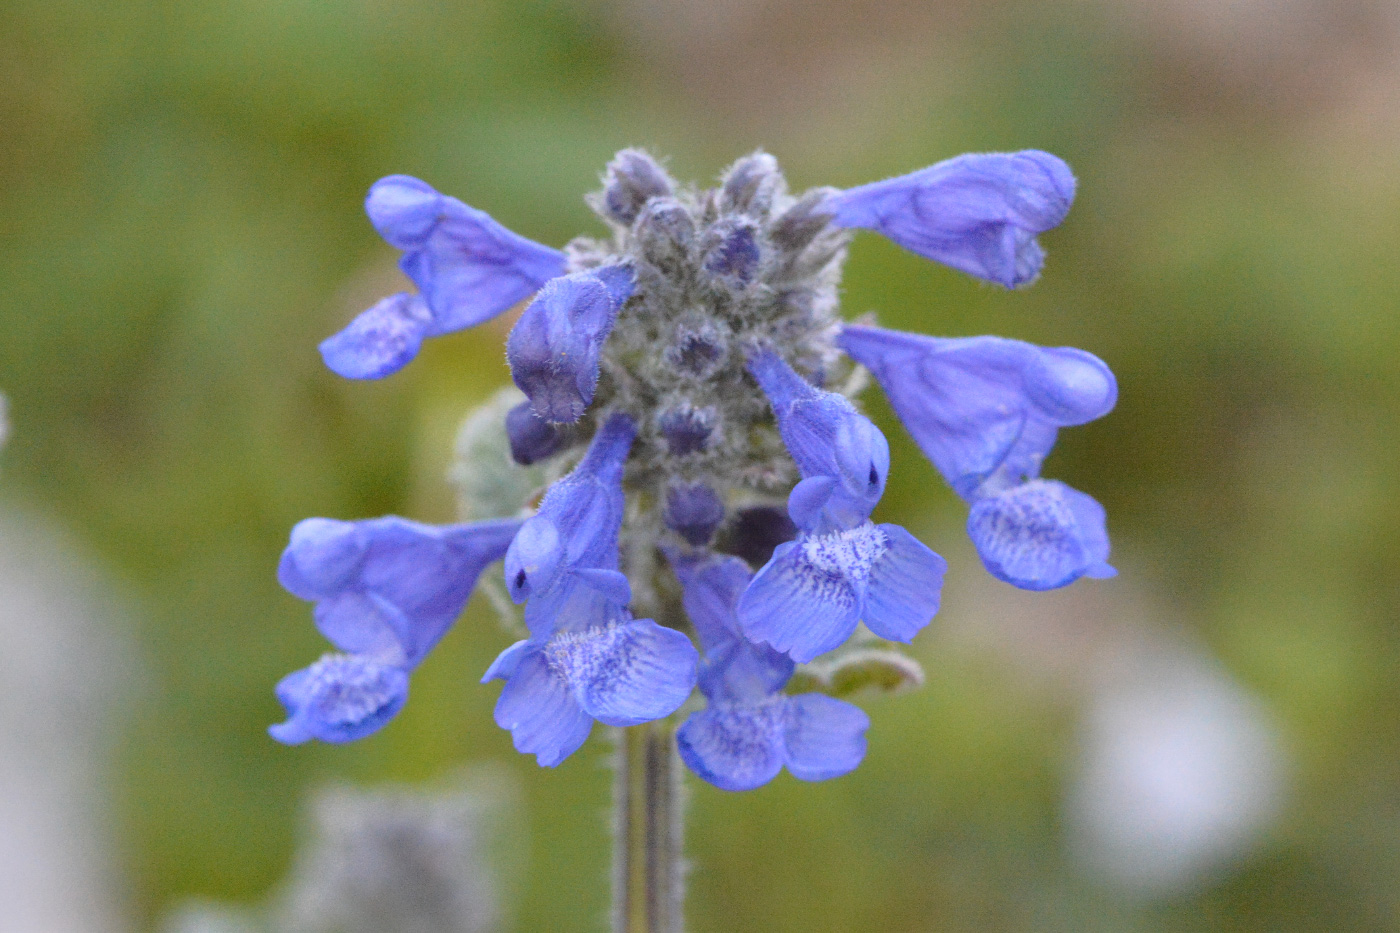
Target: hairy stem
pixel 648 886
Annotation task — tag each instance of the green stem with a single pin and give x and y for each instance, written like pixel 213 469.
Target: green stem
pixel 648 886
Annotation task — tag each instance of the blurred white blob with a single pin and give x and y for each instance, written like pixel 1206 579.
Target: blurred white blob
pixel 397 860
pixel 1179 769
pixel 62 666
pixel 1180 772
pixel 388 860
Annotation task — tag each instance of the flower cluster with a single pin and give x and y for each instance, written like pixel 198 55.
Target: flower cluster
pixel 693 369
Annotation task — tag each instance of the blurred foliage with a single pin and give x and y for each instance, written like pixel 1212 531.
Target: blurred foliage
pixel 182 197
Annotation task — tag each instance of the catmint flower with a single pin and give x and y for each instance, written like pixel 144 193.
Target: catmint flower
pixel 467 267
pixel 843 568
pixel 978 213
pixel 620 672
pixel 566 554
pixel 750 729
pixel 553 348
pixel 697 350
pixel 986 411
pixel 587 659
pixel 386 590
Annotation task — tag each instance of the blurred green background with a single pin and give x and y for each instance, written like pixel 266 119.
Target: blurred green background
pixel 183 224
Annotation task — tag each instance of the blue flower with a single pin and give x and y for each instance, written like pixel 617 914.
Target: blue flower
pixel 564 560
pixel 621 672
pixel 986 411
pixel 586 659
pixel 842 569
pixel 750 729
pixel 843 457
pixel 467 267
pixel 553 349
pixel 386 590
pixel 978 213
pixel 809 596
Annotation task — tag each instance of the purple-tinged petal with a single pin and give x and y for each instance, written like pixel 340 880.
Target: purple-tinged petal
pixel 807 500
pixel 740 671
pixel 379 341
pixel 539 710
pixel 365 623
pixel 467 266
pixel 531 438
pixel 906 581
pixel 976 405
pixel 804 601
pixel 626 674
pixel 824 736
pixel 978 213
pixel 534 560
pixel 1040 535
pixel 734 255
pixel 340 698
pixel 554 348
pixel 503 668
pixel 826 436
pixel 735 747
pixel 323 555
pixel 710 588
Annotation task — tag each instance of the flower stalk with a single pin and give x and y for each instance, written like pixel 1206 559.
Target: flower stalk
pixel 648 870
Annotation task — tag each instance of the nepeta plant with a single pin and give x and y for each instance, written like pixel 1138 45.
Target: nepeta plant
pixel 714 529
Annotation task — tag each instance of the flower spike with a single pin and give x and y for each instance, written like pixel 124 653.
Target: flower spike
pixel 978 213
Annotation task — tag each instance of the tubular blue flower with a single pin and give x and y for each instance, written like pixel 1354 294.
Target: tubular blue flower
pixel 553 349
pixel 978 213
pixel 564 560
pixel 621 673
pixel 386 590
pixel 986 411
pixel 842 569
pixel 843 457
pixel 750 729
pixel 466 266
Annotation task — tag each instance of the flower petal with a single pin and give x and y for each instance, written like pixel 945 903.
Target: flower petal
pixel 905 584
pixel 978 404
pixel 323 555
pixel 1031 535
pixel 379 341
pixel 826 436
pixel 978 213
pixel 734 747
pixel 800 607
pixel 540 711
pixel 626 674
pixel 825 737
pixel 340 698
pixel 467 266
